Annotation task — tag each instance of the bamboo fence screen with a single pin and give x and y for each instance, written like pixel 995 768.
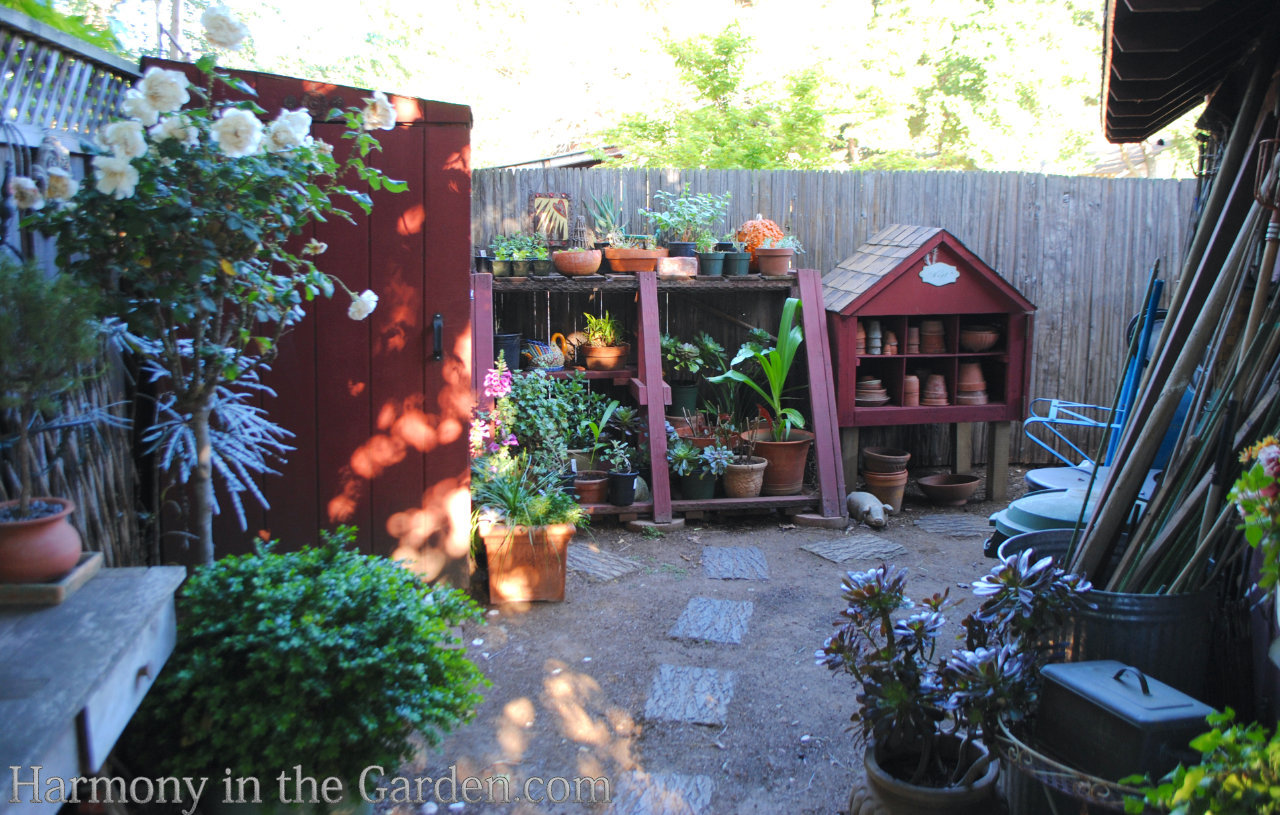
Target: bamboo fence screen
pixel 1080 248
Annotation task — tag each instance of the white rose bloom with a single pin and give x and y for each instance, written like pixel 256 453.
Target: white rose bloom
pixel 136 106
pixel 363 305
pixel 116 176
pixel 27 195
pixel 61 186
pixel 124 139
pixel 323 147
pixel 290 130
pixel 315 247
pixel 223 30
pixel 378 113
pixel 176 127
pixel 238 132
pixel 165 91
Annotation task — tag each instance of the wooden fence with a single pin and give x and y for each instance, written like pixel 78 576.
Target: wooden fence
pixel 1080 248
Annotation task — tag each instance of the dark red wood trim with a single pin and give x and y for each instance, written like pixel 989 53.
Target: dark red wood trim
pixel 482 353
pixel 826 440
pixel 655 390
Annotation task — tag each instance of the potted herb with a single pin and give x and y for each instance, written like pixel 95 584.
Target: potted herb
pixel 925 715
pixel 48 343
pixel 681 217
pixel 622 473
pixel 710 262
pixel 604 349
pixel 543 266
pixel 773 255
pixel 785 446
pixel 526 522
pixel 325 658
pixel 503 248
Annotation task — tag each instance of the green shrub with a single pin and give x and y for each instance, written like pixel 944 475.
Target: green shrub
pixel 324 657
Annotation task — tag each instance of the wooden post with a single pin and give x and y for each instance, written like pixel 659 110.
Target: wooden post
pixel 649 359
pixel 481 335
pixel 962 447
pixel 826 437
pixel 998 434
pixel 849 455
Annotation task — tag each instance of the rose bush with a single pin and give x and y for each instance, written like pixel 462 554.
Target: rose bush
pixel 191 226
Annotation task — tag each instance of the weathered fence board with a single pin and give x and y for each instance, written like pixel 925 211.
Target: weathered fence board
pixel 1080 248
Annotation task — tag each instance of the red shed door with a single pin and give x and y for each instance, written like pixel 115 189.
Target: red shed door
pixel 380 408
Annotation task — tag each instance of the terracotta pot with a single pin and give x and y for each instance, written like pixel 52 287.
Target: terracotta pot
pixel 884 459
pixel 970 378
pixel 785 473
pixel 884 794
pixel 910 384
pixel 978 338
pixel 605 358
pixel 935 385
pixel 37 550
pixel 577 263
pixel 592 486
pixel 527 563
pixel 745 480
pixel 888 487
pixel 700 439
pixel 633 260
pixel 947 489
pixel 774 261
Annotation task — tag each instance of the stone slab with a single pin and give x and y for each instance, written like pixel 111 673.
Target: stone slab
pixel 958 525
pixel 685 694
pixel 734 563
pixel 597 564
pixel 864 546
pixel 641 793
pixel 712 620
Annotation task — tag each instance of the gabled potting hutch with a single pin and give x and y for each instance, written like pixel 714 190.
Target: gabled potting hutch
pixel 903 279
pixel 635 299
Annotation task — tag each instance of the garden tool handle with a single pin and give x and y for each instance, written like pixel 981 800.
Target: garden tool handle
pixel 1142 679
pixel 437 333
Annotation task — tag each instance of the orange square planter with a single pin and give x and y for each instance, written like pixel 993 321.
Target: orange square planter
pixel 527 563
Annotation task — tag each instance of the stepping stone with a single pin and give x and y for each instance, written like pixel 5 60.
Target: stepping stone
pixel 713 620
pixel 959 525
pixel 641 793
pixel 695 695
pixel 734 563
pixel 598 565
pixel 864 546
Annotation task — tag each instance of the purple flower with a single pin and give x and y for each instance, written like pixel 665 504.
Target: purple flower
pixel 1269 458
pixel 497 383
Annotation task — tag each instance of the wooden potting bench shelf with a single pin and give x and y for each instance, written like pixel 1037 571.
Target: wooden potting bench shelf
pixel 647 387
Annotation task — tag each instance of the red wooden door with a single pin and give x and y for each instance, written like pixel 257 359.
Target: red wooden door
pixel 380 413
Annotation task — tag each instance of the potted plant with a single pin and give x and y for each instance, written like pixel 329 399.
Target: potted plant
pixel 47 346
pixel 577 261
pixel 926 716
pixel 773 255
pixel 543 266
pixel 629 254
pixel 592 483
pixel 744 475
pixel 710 262
pixel 622 473
pixel 785 445
pixel 325 658
pixel 737 260
pixel 754 232
pixel 503 248
pixel 526 522
pixel 683 216
pixel 698 467
pixel 524 248
pixel 604 348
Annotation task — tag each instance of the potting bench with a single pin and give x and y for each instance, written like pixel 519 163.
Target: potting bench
pixel 824 502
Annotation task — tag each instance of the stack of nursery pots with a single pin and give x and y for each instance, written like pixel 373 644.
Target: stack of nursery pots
pixel 885 471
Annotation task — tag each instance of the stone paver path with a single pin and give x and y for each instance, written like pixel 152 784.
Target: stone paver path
pixel 641 793
pixel 957 526
pixel 734 563
pixel 598 565
pixel 682 693
pixel 713 620
pixel 861 546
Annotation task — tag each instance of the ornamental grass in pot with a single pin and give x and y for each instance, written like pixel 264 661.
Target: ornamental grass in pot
pixel 48 344
pixel 927 717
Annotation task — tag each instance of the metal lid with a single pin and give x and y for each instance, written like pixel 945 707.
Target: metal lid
pixel 1126 692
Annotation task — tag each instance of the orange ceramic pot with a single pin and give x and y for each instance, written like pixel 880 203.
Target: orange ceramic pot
pixel 527 563
pixel 37 550
pixel 785 473
pixel 577 263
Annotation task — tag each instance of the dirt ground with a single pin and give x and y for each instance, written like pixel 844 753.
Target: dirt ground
pixel 570 680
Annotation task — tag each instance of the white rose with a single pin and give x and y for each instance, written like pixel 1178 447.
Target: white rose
pixel 323 147
pixel 363 305
pixel 116 176
pixel 176 127
pixel 124 139
pixel 136 106
pixel 290 130
pixel 238 132
pixel 61 186
pixel 165 91
pixel 378 113
pixel 221 29
pixel 27 195
pixel 314 247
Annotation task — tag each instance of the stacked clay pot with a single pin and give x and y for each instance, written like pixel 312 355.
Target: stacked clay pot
pixel 885 471
pixel 971 386
pixel 889 343
pixel 933 338
pixel 935 391
pixel 870 392
pixel 913 340
pixel 910 391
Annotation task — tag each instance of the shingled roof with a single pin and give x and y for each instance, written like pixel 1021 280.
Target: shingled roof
pixel 882 253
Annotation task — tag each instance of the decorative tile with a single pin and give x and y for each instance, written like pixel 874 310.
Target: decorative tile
pixel 598 565
pixel 958 525
pixel 713 620
pixel 685 694
pixel 863 546
pixel 734 563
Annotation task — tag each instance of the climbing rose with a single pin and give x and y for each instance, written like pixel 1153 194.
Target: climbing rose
pixel 378 113
pixel 238 132
pixel 1269 457
pixel 116 176
pixel 164 91
pixel 176 127
pixel 363 305
pixel 124 139
pixel 291 129
pixel 136 106
pixel 25 193
pixel 222 30
pixel 60 186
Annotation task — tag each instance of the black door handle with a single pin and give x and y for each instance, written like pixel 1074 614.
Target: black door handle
pixel 437 330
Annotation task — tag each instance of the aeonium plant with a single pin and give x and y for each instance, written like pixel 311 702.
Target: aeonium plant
pixel 1256 495
pixel 192 226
